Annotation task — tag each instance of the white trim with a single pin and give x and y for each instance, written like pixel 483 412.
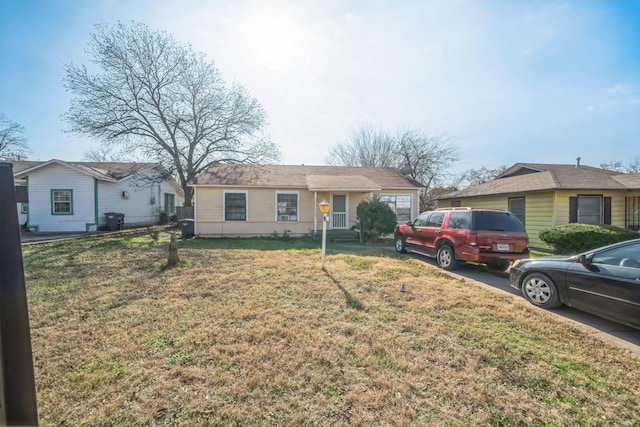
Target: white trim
pixel 277 217
pixel 224 198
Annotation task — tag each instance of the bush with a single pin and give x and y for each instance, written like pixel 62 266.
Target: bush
pixel 575 238
pixel 376 219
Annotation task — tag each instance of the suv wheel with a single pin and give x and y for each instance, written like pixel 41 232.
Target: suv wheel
pixel 400 247
pixel 446 258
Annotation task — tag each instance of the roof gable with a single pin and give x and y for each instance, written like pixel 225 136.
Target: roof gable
pixel 106 171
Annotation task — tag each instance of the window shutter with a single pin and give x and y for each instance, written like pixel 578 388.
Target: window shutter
pixel 573 210
pixel 607 210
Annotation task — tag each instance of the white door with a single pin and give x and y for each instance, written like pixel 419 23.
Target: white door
pixel 339 212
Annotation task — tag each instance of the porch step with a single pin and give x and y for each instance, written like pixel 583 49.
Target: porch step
pixel 342 236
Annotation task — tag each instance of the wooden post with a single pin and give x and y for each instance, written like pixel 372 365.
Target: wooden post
pixel 173 251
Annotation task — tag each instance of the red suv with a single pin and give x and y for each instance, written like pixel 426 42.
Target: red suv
pixel 489 236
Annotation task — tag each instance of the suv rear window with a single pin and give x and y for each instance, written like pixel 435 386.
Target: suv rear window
pixel 497 221
pixel 460 220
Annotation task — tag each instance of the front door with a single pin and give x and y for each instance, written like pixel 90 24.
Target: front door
pixel 339 212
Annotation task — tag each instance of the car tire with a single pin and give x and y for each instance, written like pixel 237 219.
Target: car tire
pixel 539 290
pixel 502 265
pixel 399 244
pixel 446 258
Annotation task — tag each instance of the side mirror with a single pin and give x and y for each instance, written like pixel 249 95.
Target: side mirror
pixel 585 260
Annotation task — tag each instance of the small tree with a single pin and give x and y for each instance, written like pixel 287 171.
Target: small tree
pixel 13 144
pixel 376 218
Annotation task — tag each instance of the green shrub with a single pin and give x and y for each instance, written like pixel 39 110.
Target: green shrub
pixel 575 238
pixel 376 219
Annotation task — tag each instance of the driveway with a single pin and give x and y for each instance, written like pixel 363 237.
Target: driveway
pixel 614 333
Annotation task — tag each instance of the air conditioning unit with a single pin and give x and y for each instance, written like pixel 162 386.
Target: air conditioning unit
pixel 283 218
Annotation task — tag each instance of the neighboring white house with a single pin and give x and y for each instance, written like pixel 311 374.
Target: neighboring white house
pixel 75 196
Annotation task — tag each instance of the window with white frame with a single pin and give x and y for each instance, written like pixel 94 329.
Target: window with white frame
pixel 286 206
pixel 235 206
pixel 400 204
pixel 590 209
pixel 62 202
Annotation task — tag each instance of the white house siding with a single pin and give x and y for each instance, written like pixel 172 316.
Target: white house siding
pixel 54 176
pixel 140 199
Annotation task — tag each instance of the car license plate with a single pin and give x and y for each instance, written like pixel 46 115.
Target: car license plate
pixel 503 247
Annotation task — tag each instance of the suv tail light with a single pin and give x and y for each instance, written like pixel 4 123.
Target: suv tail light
pixel 471 240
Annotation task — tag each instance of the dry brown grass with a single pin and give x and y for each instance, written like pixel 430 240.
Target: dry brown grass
pixel 265 337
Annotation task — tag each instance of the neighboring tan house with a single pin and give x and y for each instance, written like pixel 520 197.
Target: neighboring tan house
pixel 546 195
pixel 74 196
pixel 259 200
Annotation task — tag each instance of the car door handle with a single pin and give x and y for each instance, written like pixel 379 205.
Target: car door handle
pixel 438 232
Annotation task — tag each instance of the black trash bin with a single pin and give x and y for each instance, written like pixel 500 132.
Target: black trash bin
pixel 115 221
pixel 112 221
pixel 120 221
pixel 187 227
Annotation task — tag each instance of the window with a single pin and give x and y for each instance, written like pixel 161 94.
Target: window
pixel 169 204
pixel 460 220
pixel 286 206
pixel 626 256
pixel 435 219
pixel 497 221
pixel 24 208
pixel 590 210
pixel 235 206
pixel 400 204
pixel 421 221
pixel 456 203
pixel 62 202
pixel 516 207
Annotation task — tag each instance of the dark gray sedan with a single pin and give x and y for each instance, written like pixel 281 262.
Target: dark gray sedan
pixel 603 281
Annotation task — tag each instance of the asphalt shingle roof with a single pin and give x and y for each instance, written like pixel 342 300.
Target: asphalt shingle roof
pixel 101 170
pixel 315 178
pixel 529 177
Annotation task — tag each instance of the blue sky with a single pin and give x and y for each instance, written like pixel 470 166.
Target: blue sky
pixel 508 81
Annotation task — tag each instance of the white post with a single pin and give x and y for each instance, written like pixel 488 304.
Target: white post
pixel 325 217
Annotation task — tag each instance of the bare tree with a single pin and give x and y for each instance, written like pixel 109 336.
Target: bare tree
pixel 164 103
pixel 106 154
pixel 632 166
pixel 365 147
pixel 426 157
pixel 472 177
pixel 13 144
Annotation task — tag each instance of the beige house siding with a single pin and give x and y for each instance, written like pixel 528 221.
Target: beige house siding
pixel 261 213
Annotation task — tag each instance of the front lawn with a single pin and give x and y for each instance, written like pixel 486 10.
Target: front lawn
pixel 253 332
